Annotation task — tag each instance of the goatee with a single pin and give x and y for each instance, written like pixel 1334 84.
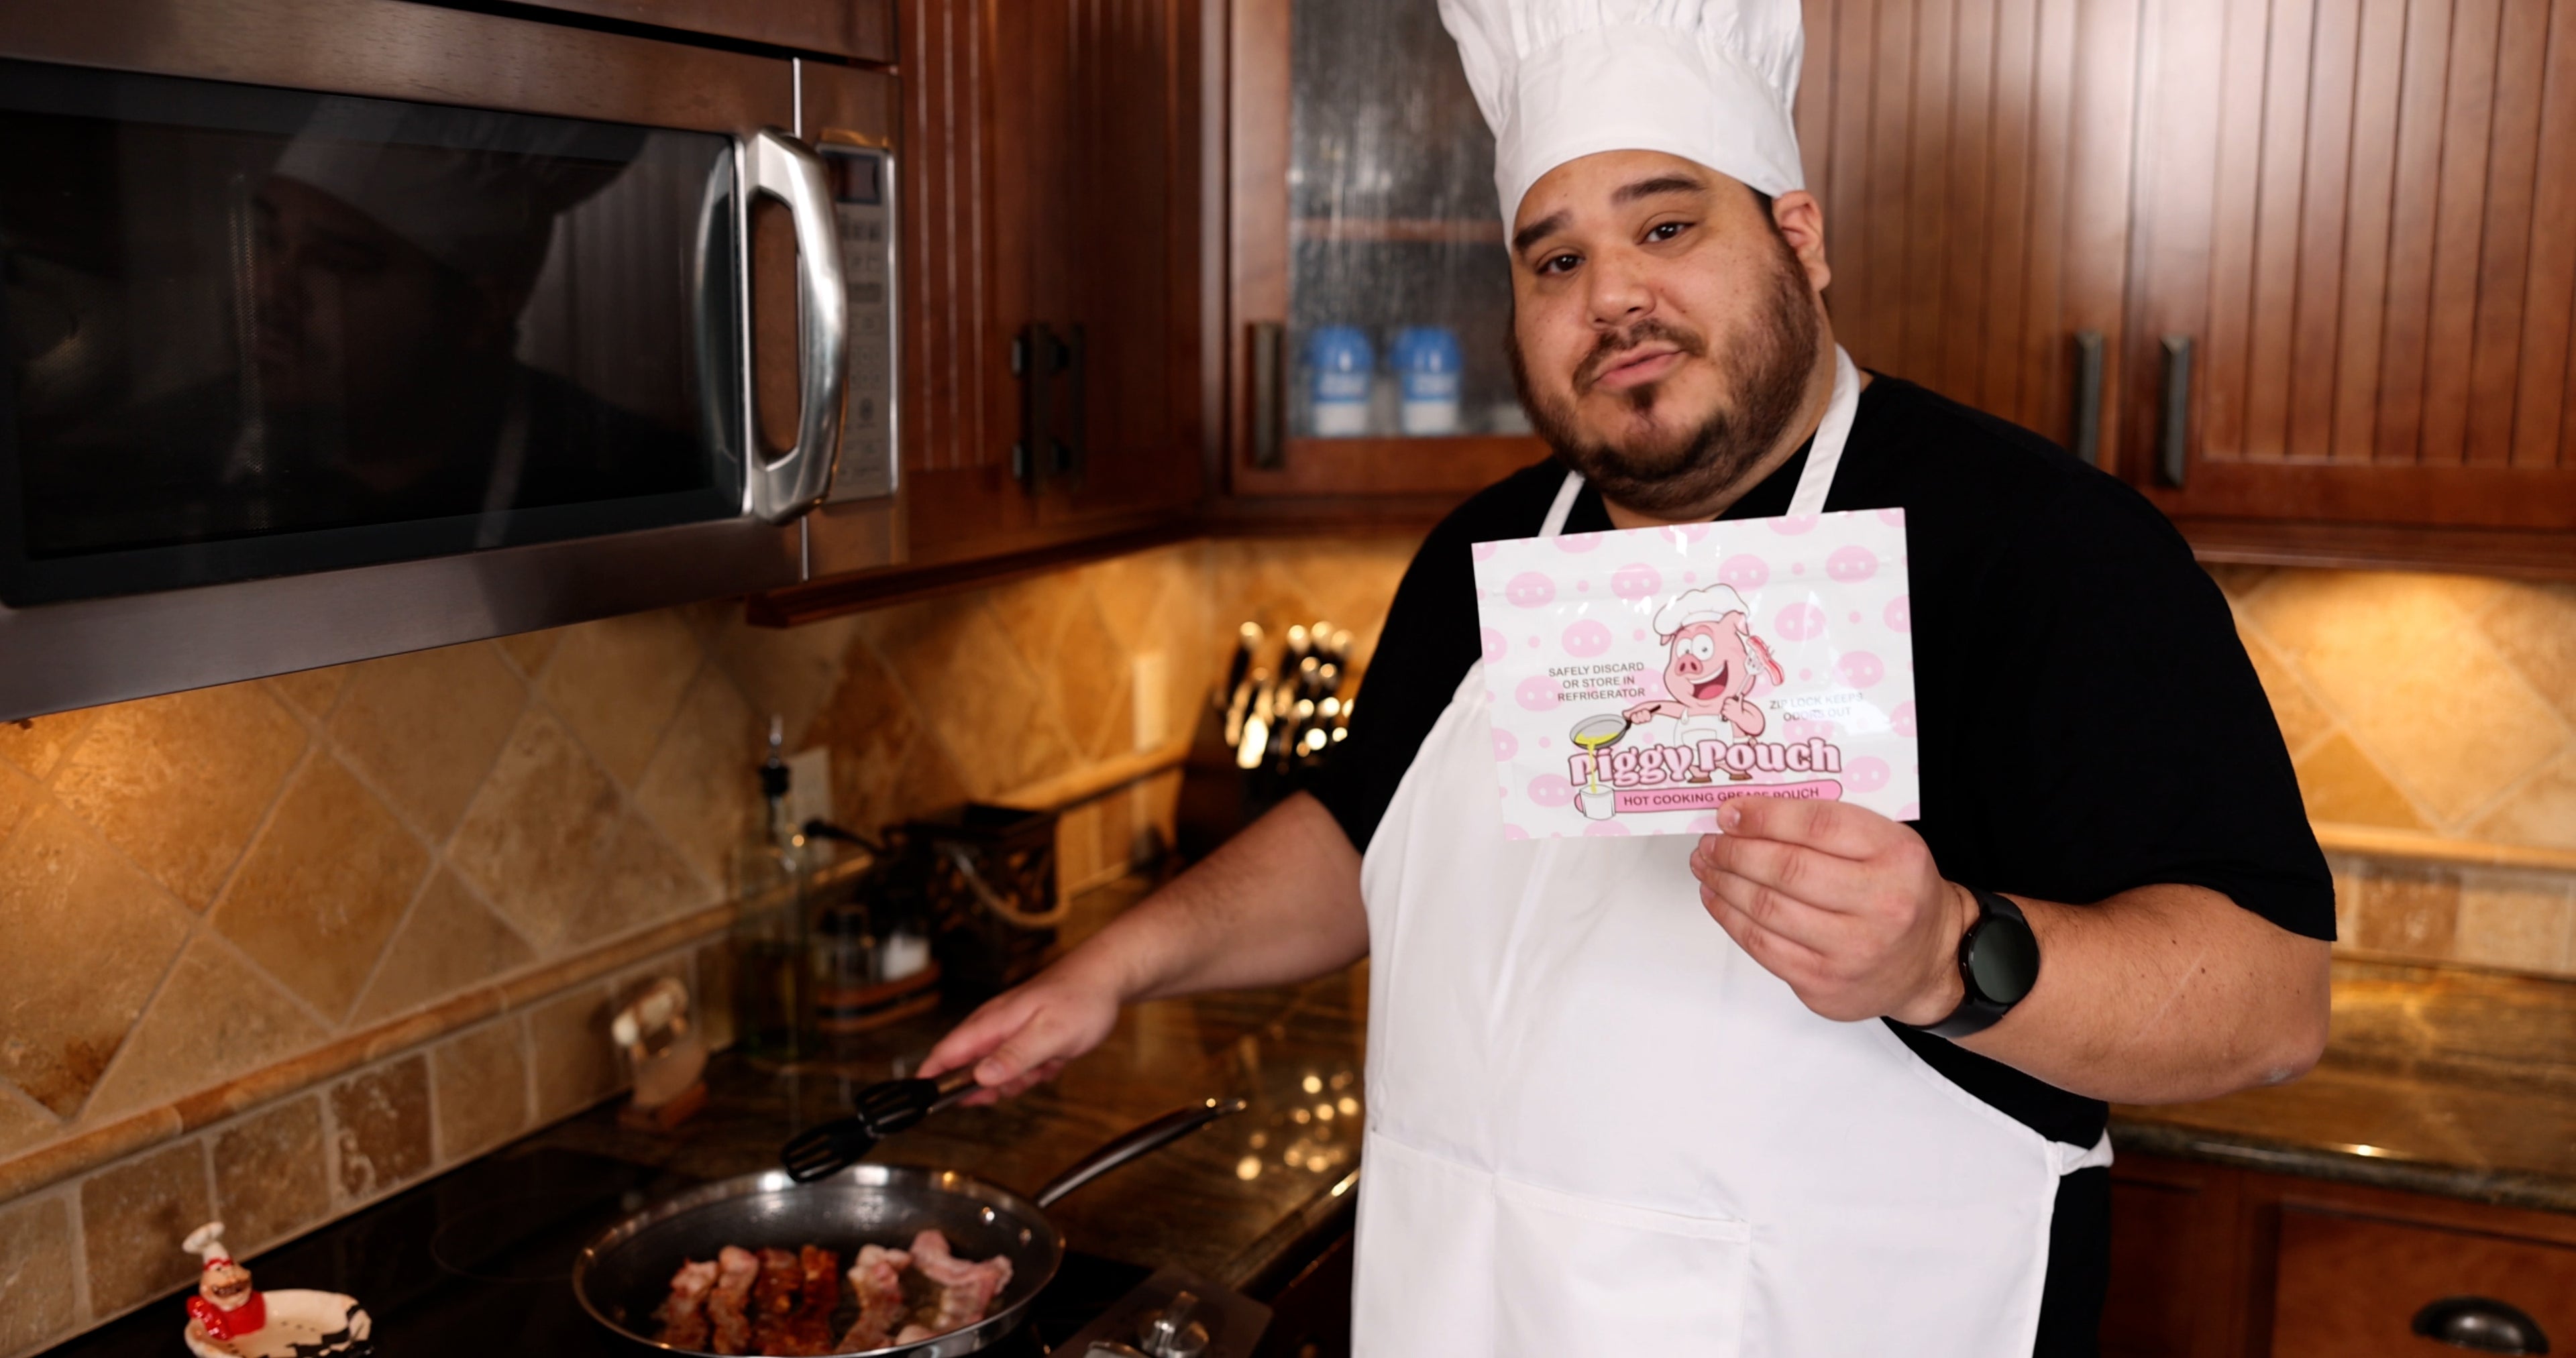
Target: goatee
pixel 1766 380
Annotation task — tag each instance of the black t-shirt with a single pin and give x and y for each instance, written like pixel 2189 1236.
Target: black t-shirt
pixel 2087 718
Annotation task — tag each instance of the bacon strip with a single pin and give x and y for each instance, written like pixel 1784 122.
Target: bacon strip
pixel 877 1278
pixel 809 1327
pixel 683 1314
pixel 736 1268
pixel 966 1289
pixel 774 1300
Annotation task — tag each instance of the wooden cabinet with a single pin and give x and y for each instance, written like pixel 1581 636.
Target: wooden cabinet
pixel 1972 159
pixel 2209 1261
pixel 2360 217
pixel 1055 214
pixel 2301 270
pixel 1052 224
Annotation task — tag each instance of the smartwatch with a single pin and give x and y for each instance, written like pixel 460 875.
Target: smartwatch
pixel 1998 965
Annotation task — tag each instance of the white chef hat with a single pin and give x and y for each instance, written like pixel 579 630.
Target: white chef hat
pixel 1709 603
pixel 1707 80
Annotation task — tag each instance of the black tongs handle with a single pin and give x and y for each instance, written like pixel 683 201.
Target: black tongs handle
pixel 877 1112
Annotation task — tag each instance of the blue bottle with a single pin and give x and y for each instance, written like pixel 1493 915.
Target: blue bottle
pixel 1426 361
pixel 1342 361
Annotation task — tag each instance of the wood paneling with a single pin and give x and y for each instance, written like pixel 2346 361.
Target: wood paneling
pixel 1972 159
pixel 2360 212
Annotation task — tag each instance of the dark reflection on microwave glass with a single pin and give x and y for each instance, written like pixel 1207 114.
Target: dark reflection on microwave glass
pixel 259 312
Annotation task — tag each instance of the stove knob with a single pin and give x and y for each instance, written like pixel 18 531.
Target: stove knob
pixel 1172 1334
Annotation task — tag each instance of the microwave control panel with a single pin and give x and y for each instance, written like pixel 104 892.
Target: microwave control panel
pixel 863 204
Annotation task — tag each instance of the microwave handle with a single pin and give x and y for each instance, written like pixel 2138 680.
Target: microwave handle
pixel 795 481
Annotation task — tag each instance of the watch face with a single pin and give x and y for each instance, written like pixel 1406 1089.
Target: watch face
pixel 2004 959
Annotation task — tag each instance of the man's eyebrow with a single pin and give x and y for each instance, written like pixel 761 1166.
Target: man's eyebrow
pixel 1626 193
pixel 1530 235
pixel 1663 183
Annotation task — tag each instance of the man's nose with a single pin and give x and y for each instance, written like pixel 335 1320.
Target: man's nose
pixel 1619 294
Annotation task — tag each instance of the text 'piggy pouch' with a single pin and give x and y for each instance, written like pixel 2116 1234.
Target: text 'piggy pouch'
pixel 1638 679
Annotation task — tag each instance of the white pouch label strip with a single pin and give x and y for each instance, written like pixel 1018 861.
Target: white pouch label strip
pixel 1638 679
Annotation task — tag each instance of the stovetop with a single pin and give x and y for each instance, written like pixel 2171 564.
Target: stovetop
pixel 479 1262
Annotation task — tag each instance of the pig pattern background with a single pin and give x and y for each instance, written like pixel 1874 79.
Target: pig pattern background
pixel 1698 662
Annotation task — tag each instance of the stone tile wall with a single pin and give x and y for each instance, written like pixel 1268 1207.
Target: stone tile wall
pixel 2438 704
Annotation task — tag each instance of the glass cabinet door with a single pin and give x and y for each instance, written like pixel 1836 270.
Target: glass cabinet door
pixel 1371 279
pixel 1398 286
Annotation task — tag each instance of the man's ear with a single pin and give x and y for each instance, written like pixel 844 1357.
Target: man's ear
pixel 1801 220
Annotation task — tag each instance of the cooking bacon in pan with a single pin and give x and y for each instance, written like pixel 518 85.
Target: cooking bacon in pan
pixel 777 1303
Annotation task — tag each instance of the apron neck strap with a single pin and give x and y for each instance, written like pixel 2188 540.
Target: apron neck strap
pixel 1815 482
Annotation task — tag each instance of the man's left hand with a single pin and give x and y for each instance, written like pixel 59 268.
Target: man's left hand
pixel 1840 902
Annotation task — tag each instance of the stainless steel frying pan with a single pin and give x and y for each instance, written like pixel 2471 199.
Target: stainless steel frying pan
pixel 622 1276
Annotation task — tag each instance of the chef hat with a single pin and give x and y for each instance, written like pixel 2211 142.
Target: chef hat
pixel 1710 603
pixel 1707 80
pixel 478 192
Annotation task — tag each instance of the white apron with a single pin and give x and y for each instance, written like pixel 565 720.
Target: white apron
pixel 1596 1127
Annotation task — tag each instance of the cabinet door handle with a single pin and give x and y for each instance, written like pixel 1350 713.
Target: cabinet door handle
pixel 2480 1323
pixel 2088 397
pixel 1035 360
pixel 1073 448
pixel 1269 394
pixel 2174 415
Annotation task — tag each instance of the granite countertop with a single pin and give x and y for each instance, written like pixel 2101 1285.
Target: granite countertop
pixel 1238 1202
pixel 2435 1080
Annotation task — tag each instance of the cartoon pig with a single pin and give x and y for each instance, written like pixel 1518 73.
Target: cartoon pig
pixel 1710 671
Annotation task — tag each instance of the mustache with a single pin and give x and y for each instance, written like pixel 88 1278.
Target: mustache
pixel 1609 347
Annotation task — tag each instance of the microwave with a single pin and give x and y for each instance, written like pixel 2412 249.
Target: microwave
pixel 340 328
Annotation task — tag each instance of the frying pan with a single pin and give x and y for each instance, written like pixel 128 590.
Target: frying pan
pixel 622 1276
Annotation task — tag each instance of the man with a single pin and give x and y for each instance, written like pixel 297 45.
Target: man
pixel 1824 1083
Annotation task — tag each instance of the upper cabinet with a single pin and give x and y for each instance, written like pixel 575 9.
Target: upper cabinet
pixel 1054 389
pixel 1369 285
pixel 1972 160
pixel 2355 259
pixel 2303 271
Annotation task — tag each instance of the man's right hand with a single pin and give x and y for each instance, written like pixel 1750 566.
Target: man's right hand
pixel 1277 904
pixel 1022 1037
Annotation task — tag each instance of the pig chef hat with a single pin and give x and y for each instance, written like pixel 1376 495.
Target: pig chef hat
pixel 1707 80
pixel 1709 604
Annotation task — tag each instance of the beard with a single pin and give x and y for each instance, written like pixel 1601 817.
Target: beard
pixel 1766 380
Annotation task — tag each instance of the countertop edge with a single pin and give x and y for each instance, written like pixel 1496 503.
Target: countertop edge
pixel 2496 1187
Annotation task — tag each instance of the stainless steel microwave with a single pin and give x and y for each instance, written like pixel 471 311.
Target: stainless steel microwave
pixel 339 328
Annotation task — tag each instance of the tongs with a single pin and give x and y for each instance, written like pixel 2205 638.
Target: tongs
pixel 876 1112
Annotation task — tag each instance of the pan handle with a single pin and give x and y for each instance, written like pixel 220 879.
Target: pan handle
pixel 1153 1136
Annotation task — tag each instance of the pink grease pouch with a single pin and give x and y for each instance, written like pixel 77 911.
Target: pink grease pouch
pixel 1640 678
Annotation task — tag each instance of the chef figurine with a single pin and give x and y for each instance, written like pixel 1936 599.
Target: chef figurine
pixel 226 1304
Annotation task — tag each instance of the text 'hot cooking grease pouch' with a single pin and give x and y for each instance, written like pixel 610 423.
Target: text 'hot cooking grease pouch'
pixel 1640 678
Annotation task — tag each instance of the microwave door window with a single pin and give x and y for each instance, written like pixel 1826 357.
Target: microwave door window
pixel 255 332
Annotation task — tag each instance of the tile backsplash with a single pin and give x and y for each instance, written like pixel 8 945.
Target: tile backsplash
pixel 285 946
